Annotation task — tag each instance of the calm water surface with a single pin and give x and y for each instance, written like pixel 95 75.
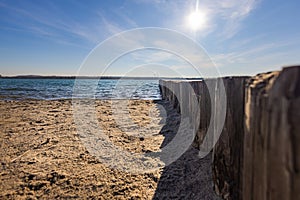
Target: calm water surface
pixel 47 89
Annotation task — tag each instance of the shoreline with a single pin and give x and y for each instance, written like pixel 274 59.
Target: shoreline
pixel 84 99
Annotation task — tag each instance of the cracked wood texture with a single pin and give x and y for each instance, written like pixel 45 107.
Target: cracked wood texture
pixel 271 153
pixel 228 154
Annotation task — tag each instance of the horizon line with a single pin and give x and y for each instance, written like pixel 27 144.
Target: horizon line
pixel 90 77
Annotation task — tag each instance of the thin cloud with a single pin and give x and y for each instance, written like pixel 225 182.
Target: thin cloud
pixel 45 22
pixel 109 27
pixel 233 12
pixel 269 50
pixel 42 22
pixel 121 12
pixel 224 17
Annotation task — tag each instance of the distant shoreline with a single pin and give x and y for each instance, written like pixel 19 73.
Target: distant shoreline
pixel 93 77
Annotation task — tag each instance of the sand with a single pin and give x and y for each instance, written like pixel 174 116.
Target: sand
pixel 42 155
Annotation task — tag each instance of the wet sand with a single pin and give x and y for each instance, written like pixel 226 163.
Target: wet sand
pixel 42 155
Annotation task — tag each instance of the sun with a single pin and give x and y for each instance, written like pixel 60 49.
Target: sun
pixel 196 20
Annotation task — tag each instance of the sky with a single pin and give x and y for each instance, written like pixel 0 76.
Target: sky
pixel 234 37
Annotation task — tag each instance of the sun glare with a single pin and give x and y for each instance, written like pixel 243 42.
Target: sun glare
pixel 196 20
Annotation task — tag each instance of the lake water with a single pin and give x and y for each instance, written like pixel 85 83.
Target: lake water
pixel 47 89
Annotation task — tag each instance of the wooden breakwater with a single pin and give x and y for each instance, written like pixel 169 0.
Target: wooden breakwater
pixel 257 155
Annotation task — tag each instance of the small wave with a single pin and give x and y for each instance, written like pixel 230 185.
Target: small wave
pixel 19 89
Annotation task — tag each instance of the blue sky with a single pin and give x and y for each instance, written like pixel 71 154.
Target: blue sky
pixel 242 37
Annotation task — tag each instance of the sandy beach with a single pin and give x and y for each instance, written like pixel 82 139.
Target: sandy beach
pixel 42 156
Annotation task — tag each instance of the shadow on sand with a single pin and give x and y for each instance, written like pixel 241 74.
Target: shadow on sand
pixel 189 177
